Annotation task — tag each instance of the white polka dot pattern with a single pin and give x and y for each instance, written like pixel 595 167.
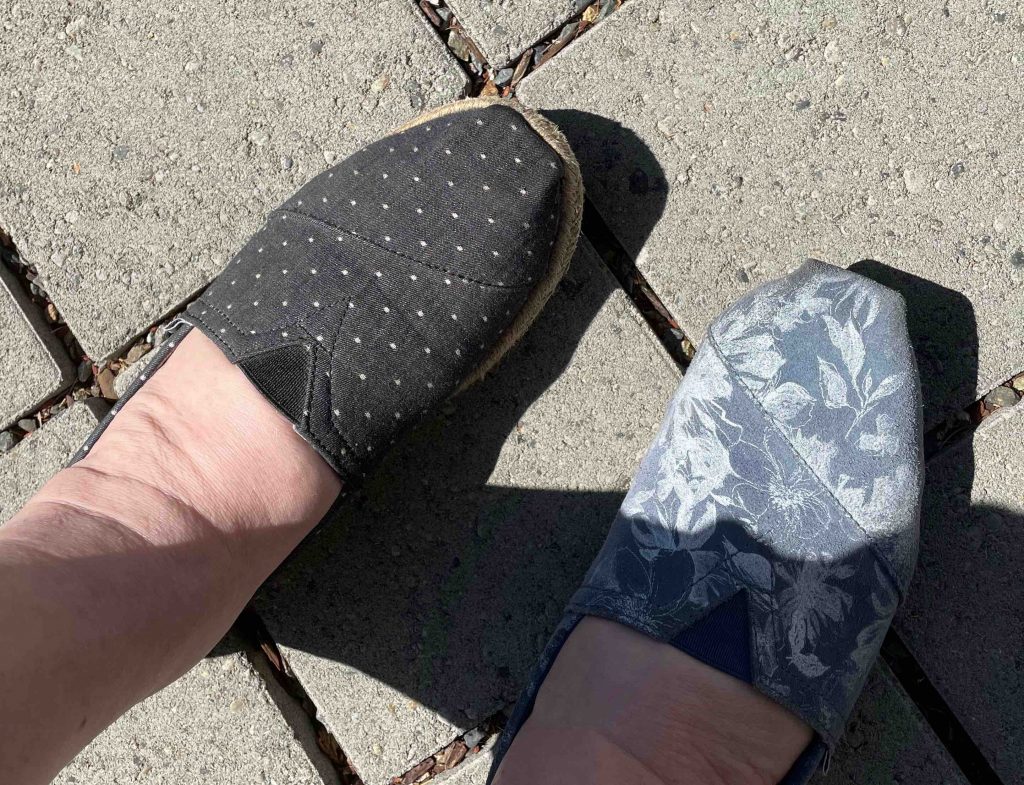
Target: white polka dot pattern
pixel 373 292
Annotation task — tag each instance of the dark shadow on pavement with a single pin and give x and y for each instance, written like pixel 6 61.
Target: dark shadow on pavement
pixel 964 601
pixel 440 579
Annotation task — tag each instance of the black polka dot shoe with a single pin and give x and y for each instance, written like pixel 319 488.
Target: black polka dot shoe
pixel 398 277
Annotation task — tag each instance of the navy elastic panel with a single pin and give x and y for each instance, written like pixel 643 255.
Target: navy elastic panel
pixel 721 639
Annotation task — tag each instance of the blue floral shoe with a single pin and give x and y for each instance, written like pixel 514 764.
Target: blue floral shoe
pixel 772 529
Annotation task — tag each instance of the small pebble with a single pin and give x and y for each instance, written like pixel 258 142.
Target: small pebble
pixel 896 28
pixel 473 737
pixel 7 441
pixel 503 77
pixel 51 313
pixel 84 371
pixel 286 163
pixel 28 424
pixel 1018 383
pixel 259 137
pixel 913 180
pixel 105 380
pixel 137 352
pixel 1000 398
pixel 458 45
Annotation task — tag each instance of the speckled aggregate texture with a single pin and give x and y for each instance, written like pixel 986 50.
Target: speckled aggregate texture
pixel 216 724
pixel 420 611
pixel 888 741
pixel 33 364
pixel 505 28
pixel 754 135
pixel 141 143
pixel 35 459
pixel 962 619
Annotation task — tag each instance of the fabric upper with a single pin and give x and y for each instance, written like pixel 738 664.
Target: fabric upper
pixel 788 470
pixel 369 295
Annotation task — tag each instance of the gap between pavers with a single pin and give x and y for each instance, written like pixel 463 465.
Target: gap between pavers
pixel 35 459
pixel 420 609
pixel 723 144
pixel 503 31
pixel 472 771
pixel 219 723
pixel 141 145
pixel 34 365
pixel 962 619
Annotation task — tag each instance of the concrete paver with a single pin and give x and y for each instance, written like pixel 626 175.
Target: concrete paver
pixel 888 741
pixel 724 143
pixel 38 457
pixel 142 143
pixel 33 364
pixel 505 29
pixel 962 618
pixel 217 723
pixel 421 609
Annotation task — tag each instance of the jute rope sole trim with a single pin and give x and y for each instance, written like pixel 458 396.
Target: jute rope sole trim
pixel 570 219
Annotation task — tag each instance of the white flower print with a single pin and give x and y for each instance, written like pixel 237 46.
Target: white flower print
pixel 788 468
pixel 811 600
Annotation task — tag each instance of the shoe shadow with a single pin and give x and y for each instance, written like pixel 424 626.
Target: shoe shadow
pixel 962 617
pixel 944 334
pixel 964 578
pixel 443 576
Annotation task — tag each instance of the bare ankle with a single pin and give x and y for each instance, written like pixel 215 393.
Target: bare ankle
pixel 199 434
pixel 676 718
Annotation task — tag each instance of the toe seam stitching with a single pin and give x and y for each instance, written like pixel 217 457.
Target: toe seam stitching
pixel 888 567
pixel 397 253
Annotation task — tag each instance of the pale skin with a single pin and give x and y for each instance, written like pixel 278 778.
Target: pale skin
pixel 128 567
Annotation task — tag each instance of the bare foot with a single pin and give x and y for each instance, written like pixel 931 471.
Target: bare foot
pixel 143 553
pixel 620 707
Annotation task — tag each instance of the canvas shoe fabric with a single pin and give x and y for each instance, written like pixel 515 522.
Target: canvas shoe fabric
pixel 397 277
pixel 783 491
